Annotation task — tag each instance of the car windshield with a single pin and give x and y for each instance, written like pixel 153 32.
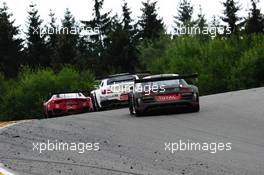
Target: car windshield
pixel 120 79
pixel 164 84
pixel 69 95
pixel 167 83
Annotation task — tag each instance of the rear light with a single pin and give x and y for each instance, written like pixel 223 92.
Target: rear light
pixel 186 90
pixel 85 102
pixel 108 91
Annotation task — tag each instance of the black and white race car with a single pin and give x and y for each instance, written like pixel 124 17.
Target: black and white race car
pixel 113 91
pixel 163 91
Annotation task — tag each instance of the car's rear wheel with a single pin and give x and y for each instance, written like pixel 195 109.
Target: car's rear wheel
pixel 49 114
pixel 138 113
pixel 95 103
pixel 196 107
pixel 131 105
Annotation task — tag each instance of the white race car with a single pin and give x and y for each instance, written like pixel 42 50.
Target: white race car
pixel 113 91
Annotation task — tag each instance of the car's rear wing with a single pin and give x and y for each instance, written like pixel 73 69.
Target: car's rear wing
pixel 124 74
pixel 69 92
pixel 191 76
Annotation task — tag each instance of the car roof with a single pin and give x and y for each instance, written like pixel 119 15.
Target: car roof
pixel 161 76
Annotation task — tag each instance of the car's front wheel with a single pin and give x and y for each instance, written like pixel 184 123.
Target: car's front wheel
pixel 132 108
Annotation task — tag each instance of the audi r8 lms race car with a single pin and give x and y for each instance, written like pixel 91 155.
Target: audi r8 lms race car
pixel 113 91
pixel 162 92
pixel 67 103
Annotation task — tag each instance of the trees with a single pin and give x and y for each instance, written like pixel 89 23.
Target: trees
pixel 255 21
pixel 231 15
pixel 67 44
pixel 36 47
pixel 52 42
pixel 97 43
pixel 103 23
pixel 185 12
pixel 130 48
pixel 215 21
pixel 151 26
pixel 183 20
pixel 121 53
pixel 126 17
pixel 10 45
pixel 201 22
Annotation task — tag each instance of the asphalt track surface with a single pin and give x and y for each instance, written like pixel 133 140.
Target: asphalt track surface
pixel 130 145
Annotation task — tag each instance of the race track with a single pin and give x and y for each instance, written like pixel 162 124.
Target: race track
pixel 130 145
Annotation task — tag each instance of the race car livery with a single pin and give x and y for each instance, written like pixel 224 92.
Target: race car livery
pixel 161 92
pixel 67 103
pixel 113 91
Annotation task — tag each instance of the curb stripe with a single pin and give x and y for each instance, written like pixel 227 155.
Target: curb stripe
pixel 5 171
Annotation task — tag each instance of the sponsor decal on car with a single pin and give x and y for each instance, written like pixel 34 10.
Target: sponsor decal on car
pixel 124 97
pixel 164 98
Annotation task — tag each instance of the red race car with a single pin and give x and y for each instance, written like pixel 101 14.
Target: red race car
pixel 67 103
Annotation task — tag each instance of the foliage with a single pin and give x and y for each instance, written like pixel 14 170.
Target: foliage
pixel 255 21
pixel 10 45
pixel 24 98
pixel 151 26
pixel 185 12
pixel 36 49
pixel 248 72
pixel 231 15
pixel 223 65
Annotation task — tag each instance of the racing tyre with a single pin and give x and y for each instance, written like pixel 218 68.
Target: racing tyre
pixel 49 114
pixel 138 114
pixel 196 108
pixel 131 106
pixel 133 110
pixel 95 104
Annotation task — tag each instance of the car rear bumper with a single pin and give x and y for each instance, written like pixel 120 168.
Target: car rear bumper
pixel 148 107
pixel 70 111
pixel 114 103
